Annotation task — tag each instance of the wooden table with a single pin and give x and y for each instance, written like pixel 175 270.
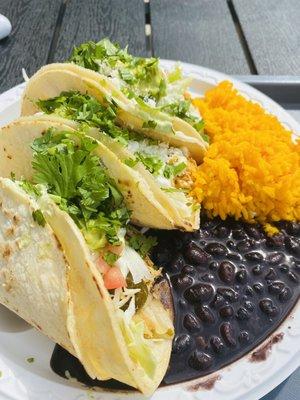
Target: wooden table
pixel 235 36
pixel 241 37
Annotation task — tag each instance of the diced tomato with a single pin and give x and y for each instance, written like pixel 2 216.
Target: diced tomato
pixel 116 249
pixel 102 265
pixel 113 279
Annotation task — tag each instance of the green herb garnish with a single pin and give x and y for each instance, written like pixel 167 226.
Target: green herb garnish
pixel 141 243
pixel 110 258
pixel 149 124
pixel 87 111
pixel 30 360
pixel 173 170
pixel 79 184
pixel 152 163
pixel 38 217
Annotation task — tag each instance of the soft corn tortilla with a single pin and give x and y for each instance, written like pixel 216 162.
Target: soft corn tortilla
pixel 51 281
pixel 33 267
pixel 15 142
pixel 53 79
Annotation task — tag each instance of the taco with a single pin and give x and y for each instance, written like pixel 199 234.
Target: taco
pixel 73 267
pixel 167 170
pixel 146 208
pixel 132 113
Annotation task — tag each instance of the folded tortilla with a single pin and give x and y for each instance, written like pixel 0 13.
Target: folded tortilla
pixel 147 210
pixel 53 79
pixel 49 277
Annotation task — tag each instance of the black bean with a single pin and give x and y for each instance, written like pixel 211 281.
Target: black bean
pixel 244 245
pixel 249 305
pixel 271 275
pixel 253 232
pixel 275 241
pixel 293 245
pixel 242 314
pixel 181 343
pixel 254 256
pixel 275 258
pixel 195 254
pixel 234 257
pixel 213 266
pixel 228 294
pixel 181 281
pixel 226 312
pixel 285 295
pixel 276 287
pixel 258 287
pixel 293 228
pixel 217 301
pixel 226 272
pixel 201 342
pixel 188 269
pixel 221 232
pixel 227 333
pixel 239 234
pixel 241 276
pixel 217 344
pixel 205 314
pixel 284 268
pixel 216 249
pixel 199 292
pixel 293 277
pixel 244 337
pixel 257 270
pixel 200 361
pixel 267 306
pixel 249 291
pixel 191 323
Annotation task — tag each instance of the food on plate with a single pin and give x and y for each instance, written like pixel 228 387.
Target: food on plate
pixel 168 171
pixel 108 139
pixel 89 264
pixel 252 168
pixel 132 113
pixel 155 199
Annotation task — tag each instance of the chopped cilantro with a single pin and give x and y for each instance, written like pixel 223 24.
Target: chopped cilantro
pixel 141 243
pixel 110 257
pixel 142 75
pixel 173 170
pixel 30 360
pixel 131 162
pixel 38 217
pixel 29 188
pixel 87 111
pixel 79 184
pixel 152 163
pixel 149 124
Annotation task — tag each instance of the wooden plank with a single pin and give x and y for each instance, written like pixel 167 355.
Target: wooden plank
pixel 272 31
pixel 33 23
pixel 121 21
pixel 197 31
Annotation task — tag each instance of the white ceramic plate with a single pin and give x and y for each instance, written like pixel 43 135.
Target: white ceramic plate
pixel 242 380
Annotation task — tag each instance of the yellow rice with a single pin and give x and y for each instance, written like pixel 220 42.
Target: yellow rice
pixel 252 168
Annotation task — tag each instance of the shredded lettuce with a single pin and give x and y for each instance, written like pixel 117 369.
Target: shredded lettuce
pixel 139 349
pixel 79 184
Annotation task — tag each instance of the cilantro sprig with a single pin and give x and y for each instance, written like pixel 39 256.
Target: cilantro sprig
pixel 139 242
pixel 79 184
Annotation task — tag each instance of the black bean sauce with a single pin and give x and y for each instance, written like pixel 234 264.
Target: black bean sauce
pixel 232 286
